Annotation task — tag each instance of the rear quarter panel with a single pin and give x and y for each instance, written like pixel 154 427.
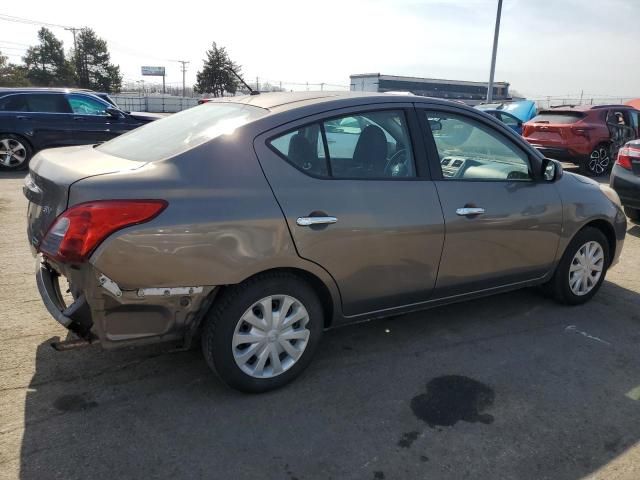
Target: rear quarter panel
pixel 222 224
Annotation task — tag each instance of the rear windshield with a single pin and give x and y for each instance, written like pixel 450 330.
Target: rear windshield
pixel 181 131
pixel 558 117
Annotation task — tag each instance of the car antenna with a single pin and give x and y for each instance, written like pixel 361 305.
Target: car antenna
pixel 251 90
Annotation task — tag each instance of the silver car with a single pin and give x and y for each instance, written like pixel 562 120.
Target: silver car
pixel 255 223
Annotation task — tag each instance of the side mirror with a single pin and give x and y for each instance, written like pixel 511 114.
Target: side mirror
pixel 114 112
pixel 551 170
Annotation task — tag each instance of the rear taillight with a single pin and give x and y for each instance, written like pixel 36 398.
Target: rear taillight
pixel 79 230
pixel 626 155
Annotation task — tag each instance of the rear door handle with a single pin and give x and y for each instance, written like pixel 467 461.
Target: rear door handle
pixel 309 221
pixel 22 117
pixel 466 211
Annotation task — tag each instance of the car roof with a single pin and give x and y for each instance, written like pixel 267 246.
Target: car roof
pixel 585 108
pixel 4 90
pixel 283 101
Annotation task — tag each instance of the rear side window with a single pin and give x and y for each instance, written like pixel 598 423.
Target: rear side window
pixel 181 131
pixel 14 103
pixel 47 103
pixel 560 117
pixel 365 145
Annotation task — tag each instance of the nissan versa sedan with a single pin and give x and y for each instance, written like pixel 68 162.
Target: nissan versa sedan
pixel 255 223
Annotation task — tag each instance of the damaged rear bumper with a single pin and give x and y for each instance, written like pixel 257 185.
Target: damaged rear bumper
pixel 75 317
pixel 116 316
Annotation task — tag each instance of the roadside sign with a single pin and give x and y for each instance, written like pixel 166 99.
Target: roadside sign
pixel 153 71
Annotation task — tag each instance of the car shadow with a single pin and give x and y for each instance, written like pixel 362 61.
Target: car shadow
pixel 13 174
pixel 554 383
pixel 635 231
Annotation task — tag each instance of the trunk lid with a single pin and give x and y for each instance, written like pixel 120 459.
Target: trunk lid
pixel 51 174
pixel 551 127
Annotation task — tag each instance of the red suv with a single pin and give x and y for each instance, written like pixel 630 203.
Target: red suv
pixel 587 135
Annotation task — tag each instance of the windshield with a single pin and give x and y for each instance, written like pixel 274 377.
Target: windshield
pixel 181 131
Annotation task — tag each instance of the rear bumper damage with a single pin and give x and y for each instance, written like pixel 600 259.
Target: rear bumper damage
pixel 102 311
pixel 76 317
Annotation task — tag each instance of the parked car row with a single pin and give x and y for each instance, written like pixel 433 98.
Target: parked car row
pixel 32 119
pixel 257 222
pixel 588 135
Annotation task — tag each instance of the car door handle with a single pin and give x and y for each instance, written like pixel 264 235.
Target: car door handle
pixel 466 211
pixel 309 221
pixel 22 117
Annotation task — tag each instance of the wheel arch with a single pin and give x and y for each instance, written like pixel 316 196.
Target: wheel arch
pixel 330 304
pixel 607 230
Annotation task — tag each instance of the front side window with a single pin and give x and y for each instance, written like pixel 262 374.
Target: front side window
pixel 366 145
pixel 47 103
pixel 84 105
pixel 469 150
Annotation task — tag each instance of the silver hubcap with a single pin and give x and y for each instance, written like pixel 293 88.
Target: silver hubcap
pixel 12 152
pixel 599 160
pixel 271 336
pixel 586 268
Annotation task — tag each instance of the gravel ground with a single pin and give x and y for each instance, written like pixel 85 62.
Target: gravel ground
pixel 509 387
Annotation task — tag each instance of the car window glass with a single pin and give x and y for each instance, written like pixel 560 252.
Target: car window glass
pixel 469 150
pixel 302 148
pixel 181 131
pixel 509 120
pixel 47 103
pixel 369 145
pixel 84 105
pixel 14 103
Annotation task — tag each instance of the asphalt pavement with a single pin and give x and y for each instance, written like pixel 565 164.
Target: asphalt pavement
pixel 508 387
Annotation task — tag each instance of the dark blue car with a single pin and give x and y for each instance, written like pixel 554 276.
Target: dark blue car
pixel 32 119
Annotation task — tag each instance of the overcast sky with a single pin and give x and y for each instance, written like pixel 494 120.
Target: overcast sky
pixel 547 47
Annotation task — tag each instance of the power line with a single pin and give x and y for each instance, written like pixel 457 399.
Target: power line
pixel 12 18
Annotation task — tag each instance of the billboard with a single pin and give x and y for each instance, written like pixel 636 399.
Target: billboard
pixel 153 71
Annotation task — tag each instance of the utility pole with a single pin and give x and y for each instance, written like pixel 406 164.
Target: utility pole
pixel 73 30
pixel 183 69
pixel 493 55
pixel 257 84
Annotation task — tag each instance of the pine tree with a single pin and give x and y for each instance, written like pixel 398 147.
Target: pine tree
pixel 11 75
pixel 215 77
pixel 46 65
pixel 92 60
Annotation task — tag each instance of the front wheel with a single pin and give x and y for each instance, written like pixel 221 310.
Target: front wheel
pixel 263 333
pixel 15 152
pixel 582 268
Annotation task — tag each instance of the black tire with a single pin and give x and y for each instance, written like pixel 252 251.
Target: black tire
pixel 632 213
pixel 221 321
pixel 599 161
pixel 559 285
pixel 10 162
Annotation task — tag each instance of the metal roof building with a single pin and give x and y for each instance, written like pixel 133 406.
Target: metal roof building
pixel 468 92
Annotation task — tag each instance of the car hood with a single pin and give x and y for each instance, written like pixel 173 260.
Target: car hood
pixel 146 116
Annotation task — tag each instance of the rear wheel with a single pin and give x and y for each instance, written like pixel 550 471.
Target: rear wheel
pixel 632 213
pixel 582 268
pixel 263 333
pixel 15 152
pixel 599 161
